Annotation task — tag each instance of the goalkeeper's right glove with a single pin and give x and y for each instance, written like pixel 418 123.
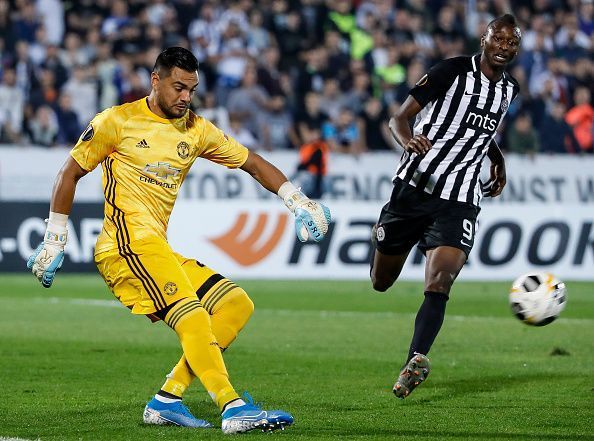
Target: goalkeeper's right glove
pixel 47 258
pixel 311 217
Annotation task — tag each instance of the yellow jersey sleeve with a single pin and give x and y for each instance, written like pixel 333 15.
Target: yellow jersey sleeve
pixel 221 148
pixel 99 139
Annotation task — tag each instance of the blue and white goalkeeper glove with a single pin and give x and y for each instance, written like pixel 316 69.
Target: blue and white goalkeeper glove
pixel 311 217
pixel 47 258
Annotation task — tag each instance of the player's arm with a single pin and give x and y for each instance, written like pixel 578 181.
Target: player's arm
pixel 49 255
pixel 498 179
pixel 311 217
pixel 94 145
pixel 431 86
pixel 400 128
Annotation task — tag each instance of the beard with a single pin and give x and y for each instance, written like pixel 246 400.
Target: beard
pixel 171 112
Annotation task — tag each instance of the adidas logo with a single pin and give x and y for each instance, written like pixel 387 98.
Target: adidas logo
pixel 142 144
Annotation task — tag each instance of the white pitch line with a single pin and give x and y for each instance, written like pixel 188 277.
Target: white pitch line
pixel 322 313
pixel 83 302
pixel 3 438
pixel 391 314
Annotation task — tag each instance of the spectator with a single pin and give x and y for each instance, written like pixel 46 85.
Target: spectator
pixel 269 75
pixel 275 125
pixel 249 100
pixel 311 116
pixel 586 17
pixel 241 134
pixel 116 20
pixel 522 137
pixel 46 92
pixel 556 136
pixel 355 98
pixel 26 22
pixel 570 41
pixel 337 56
pixel 313 74
pixel 69 127
pixel 343 133
pixel 24 67
pixel 331 99
pixel 580 117
pixel 73 53
pixel 258 38
pixel 37 48
pixel 415 70
pixel 83 91
pixel 216 114
pixel 12 103
pixel 231 60
pixel 106 68
pixel 313 163
pixel 52 16
pixel 373 122
pixel 43 128
pixel 136 88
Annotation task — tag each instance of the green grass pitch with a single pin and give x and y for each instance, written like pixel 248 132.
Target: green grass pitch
pixel 76 366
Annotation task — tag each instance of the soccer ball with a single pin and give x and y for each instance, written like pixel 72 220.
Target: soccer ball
pixel 537 298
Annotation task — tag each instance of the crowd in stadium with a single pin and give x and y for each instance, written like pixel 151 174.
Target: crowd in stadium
pixel 277 74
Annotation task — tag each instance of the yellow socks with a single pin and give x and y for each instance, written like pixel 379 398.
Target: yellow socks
pixel 201 352
pixel 228 314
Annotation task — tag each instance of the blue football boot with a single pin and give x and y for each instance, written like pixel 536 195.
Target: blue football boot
pixel 250 416
pixel 157 412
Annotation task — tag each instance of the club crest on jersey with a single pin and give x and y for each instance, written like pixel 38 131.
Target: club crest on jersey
pixel 380 234
pixel 88 134
pixel 504 105
pixel 170 288
pixel 183 150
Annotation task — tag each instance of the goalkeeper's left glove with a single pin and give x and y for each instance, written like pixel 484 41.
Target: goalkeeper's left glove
pixel 311 217
pixel 47 258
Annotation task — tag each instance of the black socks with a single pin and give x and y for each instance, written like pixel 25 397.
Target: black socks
pixel 428 323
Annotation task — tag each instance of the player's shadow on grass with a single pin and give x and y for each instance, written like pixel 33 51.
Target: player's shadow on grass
pixel 470 386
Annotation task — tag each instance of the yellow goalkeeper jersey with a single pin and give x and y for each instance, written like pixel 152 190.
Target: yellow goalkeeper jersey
pixel 145 159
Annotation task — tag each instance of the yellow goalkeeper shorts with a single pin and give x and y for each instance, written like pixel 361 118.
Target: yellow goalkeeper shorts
pixel 147 276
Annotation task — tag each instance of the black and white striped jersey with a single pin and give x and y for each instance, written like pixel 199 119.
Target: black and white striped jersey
pixel 462 109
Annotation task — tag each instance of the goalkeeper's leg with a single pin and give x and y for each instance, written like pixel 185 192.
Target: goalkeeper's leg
pixel 229 314
pixel 202 356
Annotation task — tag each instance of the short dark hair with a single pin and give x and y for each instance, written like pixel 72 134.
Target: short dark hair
pixel 506 19
pixel 175 56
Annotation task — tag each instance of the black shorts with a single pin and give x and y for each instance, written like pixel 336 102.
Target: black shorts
pixel 413 216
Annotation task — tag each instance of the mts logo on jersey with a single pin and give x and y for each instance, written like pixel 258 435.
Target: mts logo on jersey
pixel 481 120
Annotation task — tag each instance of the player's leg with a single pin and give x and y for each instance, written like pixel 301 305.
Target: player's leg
pixel 398 229
pixel 230 309
pixel 229 306
pixel 191 322
pixel 441 269
pixel 385 269
pixel 148 278
pixel 447 243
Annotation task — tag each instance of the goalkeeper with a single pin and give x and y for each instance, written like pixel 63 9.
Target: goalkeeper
pixel 145 149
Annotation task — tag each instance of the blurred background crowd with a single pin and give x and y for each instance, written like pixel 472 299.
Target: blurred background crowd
pixel 287 74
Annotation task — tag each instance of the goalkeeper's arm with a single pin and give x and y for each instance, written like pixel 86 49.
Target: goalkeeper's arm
pixel 47 258
pixel 311 218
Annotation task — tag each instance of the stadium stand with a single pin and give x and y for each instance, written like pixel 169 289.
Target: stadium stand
pixel 61 62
